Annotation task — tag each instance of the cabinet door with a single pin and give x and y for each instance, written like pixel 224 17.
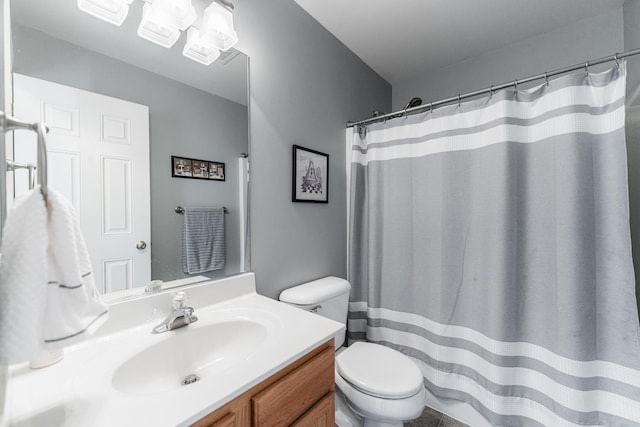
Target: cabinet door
pixel 233 414
pixel 291 397
pixel 321 415
pixel 302 394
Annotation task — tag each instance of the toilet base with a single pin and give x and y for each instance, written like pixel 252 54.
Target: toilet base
pixel 379 423
pixel 347 417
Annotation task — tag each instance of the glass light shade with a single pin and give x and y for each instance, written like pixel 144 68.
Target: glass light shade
pixel 157 31
pixel 199 50
pixel 172 13
pixel 111 11
pixel 217 27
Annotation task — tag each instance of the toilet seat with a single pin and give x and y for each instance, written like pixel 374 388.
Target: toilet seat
pixel 379 371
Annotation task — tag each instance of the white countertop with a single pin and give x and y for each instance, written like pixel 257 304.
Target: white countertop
pixel 80 391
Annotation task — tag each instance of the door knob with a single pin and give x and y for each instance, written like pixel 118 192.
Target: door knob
pixel 141 245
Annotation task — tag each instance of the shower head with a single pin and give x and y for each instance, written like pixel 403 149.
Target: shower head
pixel 415 101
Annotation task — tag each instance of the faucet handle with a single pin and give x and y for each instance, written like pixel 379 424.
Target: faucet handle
pixel 179 300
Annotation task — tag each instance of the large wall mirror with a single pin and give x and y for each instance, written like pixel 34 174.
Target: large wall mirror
pixel 119 107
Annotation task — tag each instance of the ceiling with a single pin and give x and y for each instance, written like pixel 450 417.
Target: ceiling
pixel 403 38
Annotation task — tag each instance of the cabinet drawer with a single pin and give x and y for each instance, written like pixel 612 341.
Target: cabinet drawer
pixel 321 415
pixel 228 421
pixel 288 399
pixel 233 414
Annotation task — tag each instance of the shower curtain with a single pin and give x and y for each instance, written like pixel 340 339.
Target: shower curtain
pixel 490 242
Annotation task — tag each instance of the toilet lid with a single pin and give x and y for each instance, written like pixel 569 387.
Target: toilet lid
pixel 379 371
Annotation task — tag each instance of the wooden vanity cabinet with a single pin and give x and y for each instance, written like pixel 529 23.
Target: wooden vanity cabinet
pixel 300 395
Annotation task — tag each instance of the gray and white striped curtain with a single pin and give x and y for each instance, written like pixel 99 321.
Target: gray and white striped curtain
pixel 490 242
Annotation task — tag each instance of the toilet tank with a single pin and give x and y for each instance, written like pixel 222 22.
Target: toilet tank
pixel 328 297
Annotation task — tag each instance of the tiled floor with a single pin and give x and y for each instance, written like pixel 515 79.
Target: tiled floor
pixel 432 418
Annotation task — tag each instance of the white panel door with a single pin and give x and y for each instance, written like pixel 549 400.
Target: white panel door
pixel 98 150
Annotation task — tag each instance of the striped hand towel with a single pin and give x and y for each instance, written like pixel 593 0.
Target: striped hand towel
pixel 47 293
pixel 203 241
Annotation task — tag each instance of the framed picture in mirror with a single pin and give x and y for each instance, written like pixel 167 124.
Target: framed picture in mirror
pixel 184 167
pixel 310 180
pixel 216 171
pixel 200 169
pixel 181 167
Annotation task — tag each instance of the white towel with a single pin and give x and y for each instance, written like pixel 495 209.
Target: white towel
pixel 48 297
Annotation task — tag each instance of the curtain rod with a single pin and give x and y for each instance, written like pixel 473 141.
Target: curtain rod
pixel 431 105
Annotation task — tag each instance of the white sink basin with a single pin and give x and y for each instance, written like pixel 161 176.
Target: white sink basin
pixel 200 350
pixel 125 375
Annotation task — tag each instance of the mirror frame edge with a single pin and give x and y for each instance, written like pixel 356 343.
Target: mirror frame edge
pixel 6 64
pixel 5 102
pixel 247 267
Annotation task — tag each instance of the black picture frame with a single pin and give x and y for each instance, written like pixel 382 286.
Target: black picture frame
pixel 310 176
pixel 217 171
pixel 181 167
pixel 186 167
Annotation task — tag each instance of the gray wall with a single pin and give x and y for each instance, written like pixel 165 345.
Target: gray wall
pixel 632 41
pixel 304 86
pixel 183 121
pixel 572 44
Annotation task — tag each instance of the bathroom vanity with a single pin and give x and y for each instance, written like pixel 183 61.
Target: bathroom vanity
pixel 302 394
pixel 247 361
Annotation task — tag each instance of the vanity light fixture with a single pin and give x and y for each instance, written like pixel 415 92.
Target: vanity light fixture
pixel 111 11
pixel 198 49
pixel 217 25
pixel 164 20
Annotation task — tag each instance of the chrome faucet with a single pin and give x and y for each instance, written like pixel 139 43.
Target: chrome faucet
pixel 179 316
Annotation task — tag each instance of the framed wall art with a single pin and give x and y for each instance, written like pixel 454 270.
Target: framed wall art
pixel 181 167
pixel 310 176
pixel 184 167
pixel 216 171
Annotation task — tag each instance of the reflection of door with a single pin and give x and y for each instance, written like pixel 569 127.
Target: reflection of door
pixel 98 154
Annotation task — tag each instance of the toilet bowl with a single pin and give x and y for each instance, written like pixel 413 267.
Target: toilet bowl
pixel 380 384
pixel 377 386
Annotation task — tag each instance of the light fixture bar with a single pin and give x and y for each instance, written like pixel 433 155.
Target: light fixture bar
pixel 227 4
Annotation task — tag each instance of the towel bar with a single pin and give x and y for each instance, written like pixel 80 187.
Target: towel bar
pixel 8 123
pixel 12 166
pixel 180 210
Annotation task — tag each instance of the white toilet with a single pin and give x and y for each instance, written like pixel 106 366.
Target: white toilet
pixel 376 385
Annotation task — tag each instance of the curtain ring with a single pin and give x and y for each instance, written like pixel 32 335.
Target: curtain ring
pixel 615 57
pixel 515 84
pixel 362 130
pixel 546 78
pixel 458 100
pixel 586 68
pixel 491 92
pixel 431 107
